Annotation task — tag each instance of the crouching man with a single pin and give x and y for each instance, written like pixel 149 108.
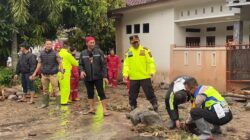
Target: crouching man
pixel 210 107
pixel 176 95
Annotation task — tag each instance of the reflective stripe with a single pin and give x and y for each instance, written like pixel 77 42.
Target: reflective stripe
pixel 197 91
pixel 171 101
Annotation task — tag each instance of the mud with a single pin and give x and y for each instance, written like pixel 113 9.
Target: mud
pixel 21 121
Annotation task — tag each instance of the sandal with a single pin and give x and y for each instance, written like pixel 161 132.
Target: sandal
pixel 21 100
pixel 89 112
pixel 31 102
pixel 106 114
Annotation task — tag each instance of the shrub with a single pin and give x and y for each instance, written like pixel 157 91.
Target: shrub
pixel 6 76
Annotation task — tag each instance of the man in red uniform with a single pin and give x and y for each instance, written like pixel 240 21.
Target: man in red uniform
pixel 74 79
pixel 114 66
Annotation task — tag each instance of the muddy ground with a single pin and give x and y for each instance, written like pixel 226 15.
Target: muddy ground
pixel 21 121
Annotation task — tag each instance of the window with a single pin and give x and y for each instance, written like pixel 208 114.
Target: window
pixel 229 38
pixel 212 9
pixel 185 58
pixel 230 8
pixel 198 58
pixel 137 28
pixel 221 8
pixel 182 13
pixel 204 10
pixel 192 41
pixel 210 41
pixel 193 30
pixel 230 28
pixel 128 29
pixel 188 13
pixel 146 28
pixel 211 29
pixel 213 59
pixel 196 12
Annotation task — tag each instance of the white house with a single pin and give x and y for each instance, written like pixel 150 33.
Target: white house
pixel 172 28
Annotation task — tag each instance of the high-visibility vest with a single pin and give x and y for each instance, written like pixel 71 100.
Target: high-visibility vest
pixel 138 64
pixel 212 97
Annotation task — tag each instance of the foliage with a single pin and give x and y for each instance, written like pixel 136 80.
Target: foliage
pixel 37 85
pixel 91 17
pixel 6 76
pixel 35 20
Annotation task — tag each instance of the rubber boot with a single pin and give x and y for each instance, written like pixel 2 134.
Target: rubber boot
pixel 58 102
pixel 203 126
pixel 216 129
pixel 45 101
pixel 171 124
pixel 154 105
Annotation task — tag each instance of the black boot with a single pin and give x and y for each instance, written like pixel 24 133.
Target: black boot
pixel 45 101
pixel 216 129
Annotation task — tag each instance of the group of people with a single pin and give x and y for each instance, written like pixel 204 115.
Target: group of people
pixel 207 104
pixel 59 65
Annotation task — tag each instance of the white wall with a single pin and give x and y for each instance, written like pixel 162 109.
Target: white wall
pixel 220 33
pixel 161 34
pixel 219 8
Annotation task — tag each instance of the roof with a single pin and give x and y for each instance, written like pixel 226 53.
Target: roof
pixel 133 4
pixel 137 2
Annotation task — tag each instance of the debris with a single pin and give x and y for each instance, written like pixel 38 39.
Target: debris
pixel 239 98
pixel 247 107
pixel 12 97
pixel 6 92
pixel 231 129
pixel 164 85
pixel 150 118
pixel 144 116
pixel 32 134
pixel 229 100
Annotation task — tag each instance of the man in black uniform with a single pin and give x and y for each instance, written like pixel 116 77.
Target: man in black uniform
pixel 176 95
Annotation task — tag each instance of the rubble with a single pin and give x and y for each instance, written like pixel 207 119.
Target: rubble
pixel 247 107
pixel 145 116
pixel 12 97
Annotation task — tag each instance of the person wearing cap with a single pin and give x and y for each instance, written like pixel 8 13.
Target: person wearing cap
pixel 67 61
pixel 139 67
pixel 92 66
pixel 176 95
pixel 74 79
pixel 50 63
pixel 26 66
pixel 114 66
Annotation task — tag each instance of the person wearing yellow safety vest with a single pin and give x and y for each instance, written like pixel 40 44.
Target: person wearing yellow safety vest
pixel 210 107
pixel 139 67
pixel 67 61
pixel 176 95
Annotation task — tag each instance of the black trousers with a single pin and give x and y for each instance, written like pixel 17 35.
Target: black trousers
pixel 210 117
pixel 147 87
pixel 172 100
pixel 99 87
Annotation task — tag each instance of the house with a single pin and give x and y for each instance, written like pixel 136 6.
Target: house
pixel 187 37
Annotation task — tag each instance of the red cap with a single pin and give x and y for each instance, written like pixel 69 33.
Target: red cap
pixel 58 45
pixel 89 38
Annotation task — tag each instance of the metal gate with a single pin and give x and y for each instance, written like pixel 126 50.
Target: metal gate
pixel 238 63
